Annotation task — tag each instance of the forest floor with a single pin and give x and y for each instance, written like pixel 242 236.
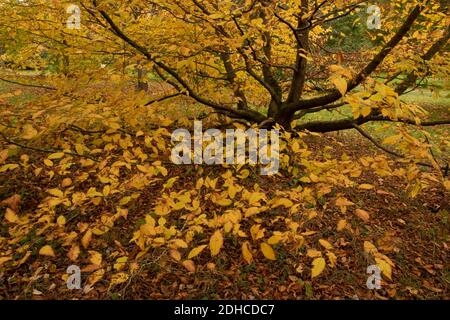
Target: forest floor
pixel 413 232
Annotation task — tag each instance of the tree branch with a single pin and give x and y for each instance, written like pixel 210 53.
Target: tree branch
pixel 248 114
pixel 44 150
pixel 28 85
pixel 370 67
pixel 380 146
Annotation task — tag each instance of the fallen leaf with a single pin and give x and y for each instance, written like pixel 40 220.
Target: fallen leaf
pixel 216 242
pixel 189 265
pixel 196 251
pixel 47 251
pixel 12 202
pixel 73 253
pixel 318 267
pixel 175 254
pixel 118 278
pixel 11 216
pixel 341 225
pixel 363 215
pixel 95 258
pixel 268 251
pixel 325 244
pixel 246 253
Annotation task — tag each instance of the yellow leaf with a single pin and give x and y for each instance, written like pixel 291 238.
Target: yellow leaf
pixel 118 278
pixel 318 267
pixel 24 258
pixel 4 259
pixel 246 253
pixel 29 132
pixel 268 251
pixel 447 185
pixel 199 184
pixel 196 251
pixel 86 238
pixel 189 265
pixel 61 221
pixel 369 247
pixel 216 242
pixel 243 174
pixel 73 253
pixel 224 202
pixel 256 232
pixel 11 216
pixel 47 251
pixel 392 139
pixel 343 202
pixel 180 243
pixel 8 167
pixel 366 186
pixel 332 258
pixel 341 225
pixel 366 110
pixel 340 83
pixel 275 239
pixel 96 276
pixel 363 215
pixel 282 202
pixel 313 253
pixel 56 193
pixel 170 182
pixel 55 156
pixel 95 258
pixel 66 182
pixel 325 244
pixel 120 263
pixel 312 214
pixel 313 177
pixel 48 163
pixel 53 202
pixel 384 267
pixel 175 254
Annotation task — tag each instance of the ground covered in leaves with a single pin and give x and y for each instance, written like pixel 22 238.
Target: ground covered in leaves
pixel 101 193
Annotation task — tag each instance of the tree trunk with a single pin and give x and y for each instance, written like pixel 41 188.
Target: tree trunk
pixel 142 84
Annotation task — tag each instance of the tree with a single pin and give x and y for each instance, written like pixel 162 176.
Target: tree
pixel 263 62
pixel 255 47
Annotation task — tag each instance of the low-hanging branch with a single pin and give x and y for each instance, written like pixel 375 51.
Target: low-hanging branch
pixel 174 95
pixel 396 154
pixel 28 85
pixel 345 124
pixel 48 151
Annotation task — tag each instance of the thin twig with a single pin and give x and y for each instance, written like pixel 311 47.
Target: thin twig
pixel 380 146
pixel 45 150
pixel 28 85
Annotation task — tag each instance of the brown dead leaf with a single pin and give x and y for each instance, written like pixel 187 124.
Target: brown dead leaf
pixel 12 202
pixel 363 215
pixel 189 265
